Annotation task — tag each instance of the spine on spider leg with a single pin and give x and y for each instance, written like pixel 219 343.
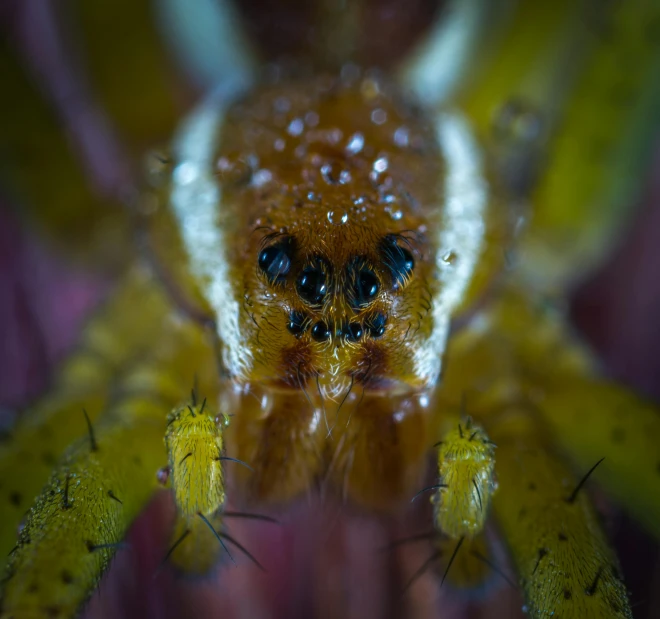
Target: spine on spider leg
pixel 565 565
pixel 112 338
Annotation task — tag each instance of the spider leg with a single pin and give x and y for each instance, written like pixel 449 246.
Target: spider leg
pixel 114 336
pixel 81 517
pixel 593 419
pixel 436 66
pixel 590 417
pixel 604 139
pixel 99 486
pixel 209 40
pixel 567 127
pixel 523 367
pixel 564 562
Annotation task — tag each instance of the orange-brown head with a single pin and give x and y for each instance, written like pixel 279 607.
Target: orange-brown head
pixel 333 230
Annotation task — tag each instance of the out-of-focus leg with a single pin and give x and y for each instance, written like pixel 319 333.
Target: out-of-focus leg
pixel 592 420
pixel 103 482
pixel 123 329
pixel 518 358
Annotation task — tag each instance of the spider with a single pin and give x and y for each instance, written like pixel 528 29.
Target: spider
pixel 347 293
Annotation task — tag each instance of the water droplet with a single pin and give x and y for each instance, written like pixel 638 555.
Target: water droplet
pixel 401 137
pixel 311 119
pixel 396 215
pixel 279 145
pixel 261 177
pixel 355 144
pixel 380 165
pixel 379 116
pixel 337 218
pixel 296 126
pixel 163 475
pixel 450 257
pixel 333 174
pixel 335 135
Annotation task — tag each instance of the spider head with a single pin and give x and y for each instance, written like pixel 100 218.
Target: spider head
pixel 339 302
pixel 329 235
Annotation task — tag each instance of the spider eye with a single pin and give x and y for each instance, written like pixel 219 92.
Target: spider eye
pixel 368 285
pixel 365 285
pixel 297 324
pixel 275 261
pixel 320 332
pixel 312 283
pixel 353 331
pixel 397 259
pixel 376 325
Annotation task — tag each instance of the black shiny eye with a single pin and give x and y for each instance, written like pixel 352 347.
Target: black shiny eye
pixel 320 332
pixel 364 284
pixel 397 259
pixel 376 325
pixel 353 331
pixel 368 285
pixel 275 261
pixel 297 323
pixel 312 283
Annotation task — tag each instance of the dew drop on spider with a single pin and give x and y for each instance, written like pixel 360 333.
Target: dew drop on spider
pixel 337 218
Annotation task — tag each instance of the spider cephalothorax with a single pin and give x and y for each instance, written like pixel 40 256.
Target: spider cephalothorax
pixel 348 251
